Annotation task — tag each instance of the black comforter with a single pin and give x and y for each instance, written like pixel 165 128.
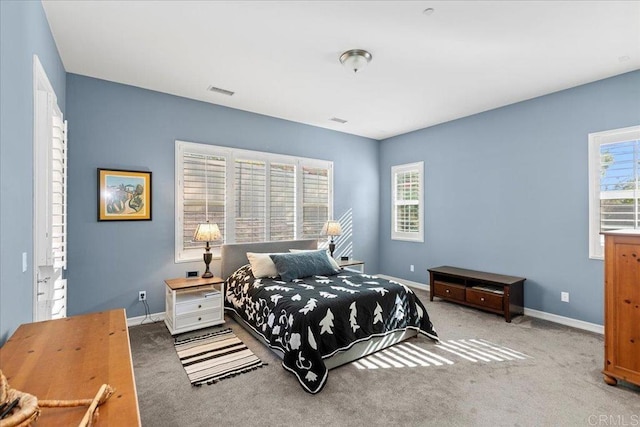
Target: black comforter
pixel 313 318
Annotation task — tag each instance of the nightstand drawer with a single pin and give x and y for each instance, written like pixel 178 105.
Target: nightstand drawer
pixel 485 299
pixel 191 319
pixel 449 290
pixel 199 305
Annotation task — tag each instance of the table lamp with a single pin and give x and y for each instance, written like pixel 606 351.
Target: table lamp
pixel 331 228
pixel 207 232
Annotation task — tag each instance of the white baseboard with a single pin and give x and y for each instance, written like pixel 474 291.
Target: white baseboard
pixel 567 321
pixel 135 321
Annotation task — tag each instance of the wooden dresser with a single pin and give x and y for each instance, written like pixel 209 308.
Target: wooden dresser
pixel 622 307
pixel 71 358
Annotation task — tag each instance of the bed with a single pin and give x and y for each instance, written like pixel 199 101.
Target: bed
pixel 318 322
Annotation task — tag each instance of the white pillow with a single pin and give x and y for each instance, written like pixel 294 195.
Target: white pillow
pixel 262 265
pixel 333 262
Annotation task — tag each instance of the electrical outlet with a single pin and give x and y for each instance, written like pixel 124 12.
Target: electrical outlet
pixel 192 273
pixel 564 296
pixel 411 268
pixel 142 295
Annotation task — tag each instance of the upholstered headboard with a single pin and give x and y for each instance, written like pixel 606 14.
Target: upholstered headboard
pixel 234 255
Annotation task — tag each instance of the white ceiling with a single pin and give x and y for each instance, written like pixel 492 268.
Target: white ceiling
pixel 281 57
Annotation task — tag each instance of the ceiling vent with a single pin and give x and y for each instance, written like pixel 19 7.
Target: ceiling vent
pixel 219 90
pixel 338 120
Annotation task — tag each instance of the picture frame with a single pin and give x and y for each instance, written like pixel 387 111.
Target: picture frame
pixel 124 195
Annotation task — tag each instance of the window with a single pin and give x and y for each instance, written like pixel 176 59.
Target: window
pixel 251 195
pixel 614 184
pixel 407 217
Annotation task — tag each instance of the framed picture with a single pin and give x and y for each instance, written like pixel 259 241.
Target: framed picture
pixel 124 195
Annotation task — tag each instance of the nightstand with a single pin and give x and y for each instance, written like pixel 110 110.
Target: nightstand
pixel 193 303
pixel 351 264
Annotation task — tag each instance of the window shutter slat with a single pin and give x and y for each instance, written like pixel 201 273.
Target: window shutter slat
pixel 282 199
pixel 251 181
pixel 315 203
pixel 204 180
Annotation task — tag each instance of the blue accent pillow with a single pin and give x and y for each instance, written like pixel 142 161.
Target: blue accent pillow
pixel 303 264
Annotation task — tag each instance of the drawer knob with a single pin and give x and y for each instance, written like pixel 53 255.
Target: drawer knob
pixel 481 298
pixel 199 319
pixel 199 305
pixel 447 290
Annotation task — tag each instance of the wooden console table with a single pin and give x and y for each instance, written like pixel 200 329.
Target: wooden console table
pixel 487 291
pixel 71 358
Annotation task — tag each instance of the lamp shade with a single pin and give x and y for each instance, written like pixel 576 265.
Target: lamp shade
pixel 331 228
pixel 207 232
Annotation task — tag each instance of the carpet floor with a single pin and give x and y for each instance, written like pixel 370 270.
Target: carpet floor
pixel 546 375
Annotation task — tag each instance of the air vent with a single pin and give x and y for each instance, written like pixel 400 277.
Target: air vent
pixel 338 120
pixel 219 90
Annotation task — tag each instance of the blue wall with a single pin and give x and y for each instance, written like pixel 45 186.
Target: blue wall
pixel 506 191
pixel 117 126
pixel 24 31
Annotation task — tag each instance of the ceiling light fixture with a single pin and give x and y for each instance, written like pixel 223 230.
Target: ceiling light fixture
pixel 355 59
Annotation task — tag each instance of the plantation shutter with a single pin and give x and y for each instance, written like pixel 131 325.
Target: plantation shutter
pixel 282 202
pixel 250 209
pixel 619 185
pixel 59 193
pixel 315 201
pixel 252 196
pixel 407 201
pixel 59 217
pixel 203 195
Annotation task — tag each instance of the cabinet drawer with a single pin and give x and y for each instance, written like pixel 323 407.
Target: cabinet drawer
pixel 484 299
pixel 204 317
pixel 448 290
pixel 198 305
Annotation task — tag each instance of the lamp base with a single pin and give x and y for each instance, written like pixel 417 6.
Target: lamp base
pixel 332 247
pixel 207 260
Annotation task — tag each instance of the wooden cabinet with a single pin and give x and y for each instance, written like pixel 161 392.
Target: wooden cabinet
pixel 70 359
pixel 496 293
pixel 622 307
pixel 193 304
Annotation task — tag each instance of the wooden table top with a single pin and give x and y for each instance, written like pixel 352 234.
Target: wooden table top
pixel 190 282
pixel 71 358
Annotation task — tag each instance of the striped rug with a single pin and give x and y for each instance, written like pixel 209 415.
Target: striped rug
pixel 215 356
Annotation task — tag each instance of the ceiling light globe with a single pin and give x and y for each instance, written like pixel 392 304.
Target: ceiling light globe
pixel 355 59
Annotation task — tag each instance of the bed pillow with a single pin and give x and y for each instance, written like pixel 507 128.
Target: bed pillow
pixel 333 262
pixel 303 264
pixel 261 265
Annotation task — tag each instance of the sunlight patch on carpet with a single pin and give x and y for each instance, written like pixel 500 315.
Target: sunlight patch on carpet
pixel 408 355
pixel 215 356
